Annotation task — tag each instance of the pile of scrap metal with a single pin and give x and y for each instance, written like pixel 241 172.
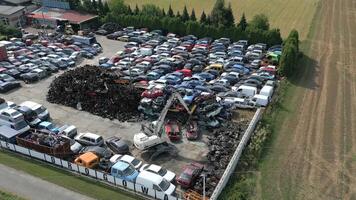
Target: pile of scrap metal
pixel 222 144
pixel 95 90
pixel 207 110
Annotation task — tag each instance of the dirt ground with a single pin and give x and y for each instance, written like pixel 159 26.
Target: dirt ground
pixel 314 154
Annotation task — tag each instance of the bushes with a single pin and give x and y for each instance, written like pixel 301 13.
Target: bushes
pixel 9 31
pixel 289 57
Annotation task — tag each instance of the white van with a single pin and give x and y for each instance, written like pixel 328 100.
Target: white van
pixel 40 110
pixel 156 182
pixel 260 100
pixel 267 91
pixel 246 91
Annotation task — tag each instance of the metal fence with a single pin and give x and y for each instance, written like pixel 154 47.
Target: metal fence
pixel 98 175
pixel 235 158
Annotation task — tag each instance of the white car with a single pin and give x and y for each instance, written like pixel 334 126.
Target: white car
pixel 11 115
pixel 89 139
pixel 166 174
pixel 126 158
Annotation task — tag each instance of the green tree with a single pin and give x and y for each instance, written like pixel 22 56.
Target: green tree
pixel 106 7
pixel 129 10
pixel 192 15
pixel 118 7
pixel 137 10
pixel 185 14
pixel 94 7
pixel 178 15
pixel 203 17
pixel 170 12
pixel 260 22
pixel 101 7
pixel 163 12
pixel 74 4
pixel 151 10
pixel 243 23
pixel 217 15
pixel 229 16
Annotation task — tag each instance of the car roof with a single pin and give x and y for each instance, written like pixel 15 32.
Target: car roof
pixel 92 135
pixel 155 178
pixel 88 156
pixel 154 167
pixel 127 158
pixel 120 165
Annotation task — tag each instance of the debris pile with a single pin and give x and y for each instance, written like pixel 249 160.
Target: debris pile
pixel 45 139
pixel 93 89
pixel 222 144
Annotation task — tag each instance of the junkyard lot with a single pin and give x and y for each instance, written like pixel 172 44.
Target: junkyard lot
pixel 86 122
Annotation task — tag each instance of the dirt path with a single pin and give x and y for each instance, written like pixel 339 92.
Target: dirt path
pixel 315 152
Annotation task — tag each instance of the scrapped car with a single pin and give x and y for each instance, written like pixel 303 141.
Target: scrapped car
pixel 7 86
pixel 190 174
pixel 172 130
pixel 126 158
pixel 48 126
pixel 192 132
pixel 166 174
pixel 89 139
pixel 99 151
pixel 117 145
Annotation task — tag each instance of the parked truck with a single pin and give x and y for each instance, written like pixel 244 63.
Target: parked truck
pixel 45 142
pixel 84 40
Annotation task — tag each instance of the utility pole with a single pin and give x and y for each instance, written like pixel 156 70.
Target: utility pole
pixel 203 185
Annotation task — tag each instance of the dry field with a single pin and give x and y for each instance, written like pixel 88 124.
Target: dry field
pixel 314 154
pixel 283 14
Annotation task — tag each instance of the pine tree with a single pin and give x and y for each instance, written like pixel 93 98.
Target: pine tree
pixel 192 15
pixel 94 7
pixel 243 22
pixel 137 10
pixel 101 7
pixel 163 12
pixel 106 7
pixel 185 15
pixel 170 12
pixel 178 15
pixel 129 10
pixel 203 17
pixel 217 15
pixel 229 16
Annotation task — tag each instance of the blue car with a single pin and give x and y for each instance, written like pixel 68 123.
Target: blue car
pixel 124 171
pixel 207 76
pixel 153 76
pixel 48 126
pixel 172 80
pixel 241 69
pixel 190 96
pixel 106 65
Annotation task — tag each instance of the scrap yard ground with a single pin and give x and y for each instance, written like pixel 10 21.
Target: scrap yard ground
pixel 86 122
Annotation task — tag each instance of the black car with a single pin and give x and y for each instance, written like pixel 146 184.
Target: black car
pixel 30 77
pixel 29 115
pixel 117 145
pixel 14 73
pixel 7 86
pixel 99 151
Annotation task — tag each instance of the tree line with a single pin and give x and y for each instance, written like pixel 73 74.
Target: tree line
pixel 218 23
pixel 289 58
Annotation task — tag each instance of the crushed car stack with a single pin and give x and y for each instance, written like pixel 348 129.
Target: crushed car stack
pixel 93 89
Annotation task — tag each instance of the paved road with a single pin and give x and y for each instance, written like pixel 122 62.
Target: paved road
pixel 34 188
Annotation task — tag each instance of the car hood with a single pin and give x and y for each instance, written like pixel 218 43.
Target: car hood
pixel 170 190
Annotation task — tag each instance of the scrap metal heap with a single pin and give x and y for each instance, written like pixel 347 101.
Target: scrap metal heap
pixel 93 89
pixel 222 145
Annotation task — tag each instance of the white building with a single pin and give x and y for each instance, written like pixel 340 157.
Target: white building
pixel 12 15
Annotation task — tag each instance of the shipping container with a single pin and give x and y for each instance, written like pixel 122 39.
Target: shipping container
pixel 3 52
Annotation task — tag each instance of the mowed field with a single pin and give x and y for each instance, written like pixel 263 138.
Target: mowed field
pixel 314 153
pixel 283 14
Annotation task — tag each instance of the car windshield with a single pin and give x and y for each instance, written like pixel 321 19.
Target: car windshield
pixel 164 185
pixel 20 125
pixel 162 172
pixel 135 162
pixel 129 170
pixel 40 110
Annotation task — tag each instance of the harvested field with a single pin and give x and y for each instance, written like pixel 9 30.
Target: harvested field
pixel 283 14
pixel 313 156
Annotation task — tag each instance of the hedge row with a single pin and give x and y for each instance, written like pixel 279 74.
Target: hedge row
pixel 176 25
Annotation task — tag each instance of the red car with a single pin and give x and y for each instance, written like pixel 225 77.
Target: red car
pixel 186 72
pixel 190 174
pixel 192 131
pixel 172 130
pixel 152 94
